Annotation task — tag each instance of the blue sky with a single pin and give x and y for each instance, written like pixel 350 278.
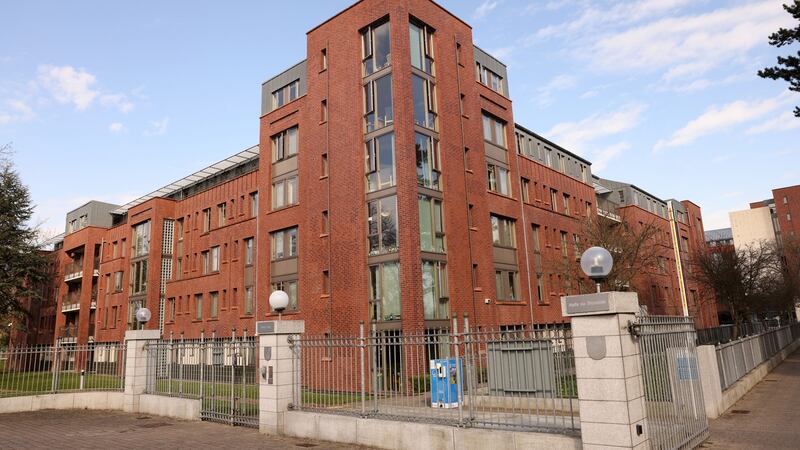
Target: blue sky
pixel 110 100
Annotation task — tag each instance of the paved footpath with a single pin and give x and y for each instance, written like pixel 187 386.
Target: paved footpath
pixel 767 417
pixel 80 429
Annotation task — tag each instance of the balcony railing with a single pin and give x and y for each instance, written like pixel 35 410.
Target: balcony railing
pixel 607 209
pixel 68 334
pixel 71 302
pixel 73 270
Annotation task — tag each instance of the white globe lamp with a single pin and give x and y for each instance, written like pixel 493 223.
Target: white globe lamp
pixel 596 263
pixel 278 301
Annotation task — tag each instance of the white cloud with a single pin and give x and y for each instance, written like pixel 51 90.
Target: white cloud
pixel 157 127
pixel 116 128
pixel 68 85
pixel 18 111
pixel 717 118
pixel 574 135
pixel 601 158
pixel 783 122
pixel 485 8
pixel 119 100
pixel 559 83
pixel 690 45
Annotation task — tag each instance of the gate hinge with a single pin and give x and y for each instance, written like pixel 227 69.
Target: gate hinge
pixel 634 329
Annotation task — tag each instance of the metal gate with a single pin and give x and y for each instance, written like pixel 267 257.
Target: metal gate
pixel 673 395
pixel 221 373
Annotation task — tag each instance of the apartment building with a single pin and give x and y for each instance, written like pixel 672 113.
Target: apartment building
pixel 390 185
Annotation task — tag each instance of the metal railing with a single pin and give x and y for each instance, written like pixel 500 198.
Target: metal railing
pixel 673 394
pixel 221 373
pixel 54 369
pixel 727 333
pixel 737 358
pixel 513 379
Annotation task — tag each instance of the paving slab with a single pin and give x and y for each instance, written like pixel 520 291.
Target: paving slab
pixel 55 429
pixel 766 417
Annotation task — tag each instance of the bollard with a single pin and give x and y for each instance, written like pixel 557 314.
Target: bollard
pixel 83 373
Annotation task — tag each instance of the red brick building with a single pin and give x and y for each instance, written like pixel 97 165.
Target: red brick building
pixel 394 186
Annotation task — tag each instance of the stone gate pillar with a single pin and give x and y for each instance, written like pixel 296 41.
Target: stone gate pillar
pixel 607 366
pixel 136 366
pixel 278 371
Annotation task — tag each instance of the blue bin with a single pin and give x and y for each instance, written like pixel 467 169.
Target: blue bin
pixel 446 382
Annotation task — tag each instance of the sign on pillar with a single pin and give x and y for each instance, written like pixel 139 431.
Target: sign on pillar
pixel 278 368
pixel 607 368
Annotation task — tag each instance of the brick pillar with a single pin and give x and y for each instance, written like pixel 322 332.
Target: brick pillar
pixel 607 367
pixel 278 371
pixel 136 366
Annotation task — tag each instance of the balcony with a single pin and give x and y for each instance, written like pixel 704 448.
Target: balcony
pixel 70 303
pixel 73 271
pixel 608 210
pixel 68 334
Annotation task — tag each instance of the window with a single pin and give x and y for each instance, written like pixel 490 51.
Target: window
pixel 384 291
pixel 421 47
pixel 431 228
pixel 503 232
pixel 286 94
pixel 380 162
pixel 170 310
pixel 564 244
pixel 221 214
pixel 553 198
pixel 284 144
pixel 253 204
pixel 566 204
pixel 540 289
pixel 378 105
pixel 139 277
pixel 428 166
pixel 215 259
pixel 323 111
pixel 198 306
pixel 788 216
pixel 434 290
pixel 326 282
pixel 325 223
pixel 205 257
pixel 284 244
pixel 206 220
pixel 576 243
pixel 382 225
pixel 494 130
pixel 284 192
pixel 113 317
pixel 375 47
pixel 324 165
pixel 118 281
pixel 498 179
pixel 248 299
pixel 141 239
pixel 489 78
pixel 178 268
pixel 214 304
pixel 537 243
pixel 324 59
pixel 290 287
pixel 114 249
pixel 424 95
pixel 248 251
pixel 507 285
pixel 526 190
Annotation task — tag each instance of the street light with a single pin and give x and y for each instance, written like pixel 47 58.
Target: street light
pixel 596 263
pixel 278 301
pixel 143 315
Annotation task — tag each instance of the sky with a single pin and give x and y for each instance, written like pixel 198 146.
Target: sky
pixel 112 100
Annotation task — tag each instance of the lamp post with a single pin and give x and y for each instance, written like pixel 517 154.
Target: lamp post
pixel 596 263
pixel 278 301
pixel 143 316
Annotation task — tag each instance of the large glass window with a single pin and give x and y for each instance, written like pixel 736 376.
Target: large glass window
pixel 285 94
pixel 141 239
pixel 384 291
pixel 284 144
pixel 507 285
pixel 380 162
pixel 248 300
pixel 494 130
pixel 284 244
pixel 421 47
pixel 489 78
pixel 284 192
pixel 382 225
pixel 214 296
pixel 498 179
pixel 424 101
pixel 248 251
pixel 215 259
pixel 138 277
pixel 290 287
pixel 428 166
pixel 378 108
pixel 198 305
pixel 503 232
pixel 376 48
pixel 431 228
pixel 434 290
